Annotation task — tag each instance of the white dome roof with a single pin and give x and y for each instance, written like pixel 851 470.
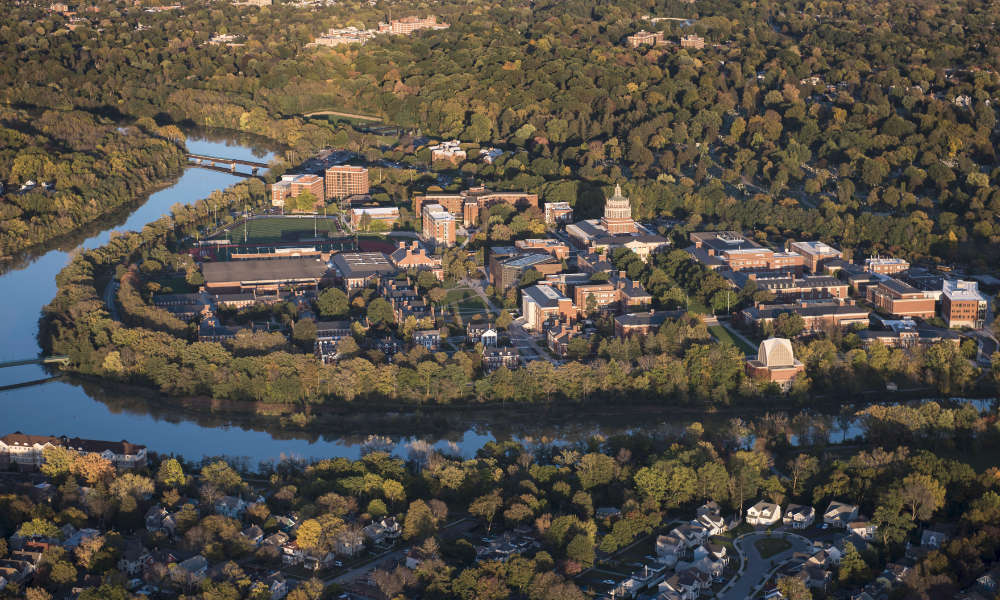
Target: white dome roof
pixel 776 352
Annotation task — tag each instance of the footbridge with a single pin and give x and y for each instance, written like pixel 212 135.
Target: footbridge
pixel 218 163
pixel 44 360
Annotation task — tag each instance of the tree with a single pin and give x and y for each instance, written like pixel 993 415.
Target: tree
pixel 58 461
pixel 380 311
pixel 801 468
pixel 596 469
pixel 222 476
pixel 171 473
pixel 131 485
pixel 793 588
pixel 581 549
pixel 922 495
pixel 93 468
pixel 789 325
pixel 304 332
pixel 419 522
pixel 309 535
pixel 37 527
pixel 486 507
pixel 504 319
pixel 306 201
pixel 332 302
pixel 853 568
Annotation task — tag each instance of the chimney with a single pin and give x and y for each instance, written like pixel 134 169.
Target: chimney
pixel 402 245
pixel 415 244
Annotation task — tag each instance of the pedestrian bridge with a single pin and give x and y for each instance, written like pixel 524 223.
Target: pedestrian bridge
pixel 44 360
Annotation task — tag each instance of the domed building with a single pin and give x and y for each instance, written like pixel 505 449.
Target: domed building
pixel 775 362
pixel 616 229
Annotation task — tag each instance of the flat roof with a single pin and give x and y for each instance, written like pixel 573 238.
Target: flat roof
pixel 815 247
pixel 362 264
pixel 967 291
pixel 544 295
pixel 265 269
pixel 528 260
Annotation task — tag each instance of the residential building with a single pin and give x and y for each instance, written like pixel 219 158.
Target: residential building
pixel 763 514
pixel 328 336
pixel 264 275
pixel 183 306
pixel 28 451
pixel 341 36
pixel 292 185
pixel 962 305
pixel 494 358
pixel 645 38
pixel 560 336
pixel 643 323
pixel 230 506
pixel 775 362
pixel 342 181
pixel 438 225
pixel 540 303
pixel 862 528
pixel 815 254
pixel 428 338
pixel 550 245
pixel 254 534
pixel 885 266
pixel 558 213
pixel 904 333
pixel 414 256
pixel 449 151
pixel 840 514
pixel 408 25
pixel 134 559
pixel 595 297
pixel 356 269
pixel 798 516
pixel 373 218
pixel 692 41
pixel 384 530
pixel 488 155
pixel 896 298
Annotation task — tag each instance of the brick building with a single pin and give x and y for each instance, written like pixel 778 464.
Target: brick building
pixel 413 256
pixel 363 218
pixel 292 185
pixel 897 298
pixel 692 41
pixel 342 181
pixel 507 273
pixel 408 25
pixel 438 225
pixel 552 246
pixel 814 254
pixel 542 302
pixel 885 266
pixel 469 205
pixel 962 305
pixel 731 250
pixel 643 323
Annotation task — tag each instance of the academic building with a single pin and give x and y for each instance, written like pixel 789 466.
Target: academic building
pixel 343 181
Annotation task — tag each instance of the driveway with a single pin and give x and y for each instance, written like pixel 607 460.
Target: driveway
pixel 756 568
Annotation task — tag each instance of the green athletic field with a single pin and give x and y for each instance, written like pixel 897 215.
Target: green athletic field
pixel 276 229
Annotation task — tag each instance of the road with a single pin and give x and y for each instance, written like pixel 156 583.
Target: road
pixel 518 335
pixel 109 299
pixel 756 568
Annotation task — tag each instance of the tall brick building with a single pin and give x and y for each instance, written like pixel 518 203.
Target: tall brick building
pixel 962 305
pixel 438 224
pixel 343 181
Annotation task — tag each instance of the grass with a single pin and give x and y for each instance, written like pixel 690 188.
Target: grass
pixel 768 547
pixel 276 229
pixel 458 295
pixel 174 284
pixel 472 303
pixel 722 334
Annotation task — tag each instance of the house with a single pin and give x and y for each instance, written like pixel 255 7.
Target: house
pixel 230 506
pixel 134 559
pixel 196 566
pixel 494 358
pixel 669 548
pixel 291 554
pixel 607 512
pixel 862 528
pixel 815 577
pixel 714 523
pixel 475 330
pixel 254 533
pixel 932 539
pixel 27 451
pixel 279 538
pixel 763 514
pixel 349 542
pixel 277 585
pixel 798 516
pixel 155 518
pixel 385 530
pixel 839 514
pixel 686 585
pixel 428 338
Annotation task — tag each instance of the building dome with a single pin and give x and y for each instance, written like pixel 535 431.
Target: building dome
pixel 776 352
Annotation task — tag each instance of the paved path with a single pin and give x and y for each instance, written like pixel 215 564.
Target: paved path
pixel 109 299
pixel 756 569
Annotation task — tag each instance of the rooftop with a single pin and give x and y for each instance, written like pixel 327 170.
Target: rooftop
pixel 544 295
pixel 962 291
pixel 360 264
pixel 264 269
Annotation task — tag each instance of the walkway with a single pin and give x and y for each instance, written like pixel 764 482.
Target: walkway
pixel 755 569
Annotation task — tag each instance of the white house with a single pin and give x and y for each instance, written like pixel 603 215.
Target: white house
pixel 669 548
pixel 863 528
pixel 798 516
pixel 840 514
pixel 763 514
pixel 385 530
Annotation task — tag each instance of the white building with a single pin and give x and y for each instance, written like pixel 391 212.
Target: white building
pixel 763 514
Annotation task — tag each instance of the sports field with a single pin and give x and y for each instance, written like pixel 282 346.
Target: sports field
pixel 277 229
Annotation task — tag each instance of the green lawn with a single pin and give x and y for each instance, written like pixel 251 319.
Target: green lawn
pixel 458 295
pixel 722 334
pixel 276 229
pixel 472 303
pixel 768 547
